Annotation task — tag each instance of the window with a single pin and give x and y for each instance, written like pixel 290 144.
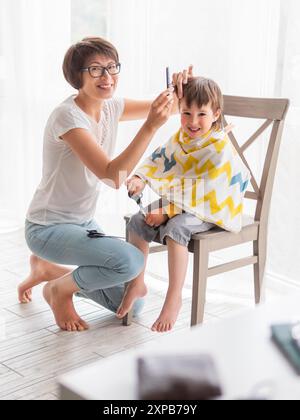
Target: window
pixel 89 19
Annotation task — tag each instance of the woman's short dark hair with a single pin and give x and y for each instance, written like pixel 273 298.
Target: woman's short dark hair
pixel 78 54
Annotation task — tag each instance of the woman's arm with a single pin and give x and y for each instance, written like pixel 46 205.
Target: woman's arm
pixel 115 172
pixel 138 110
pixel 135 110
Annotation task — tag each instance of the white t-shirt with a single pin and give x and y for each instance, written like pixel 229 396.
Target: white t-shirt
pixel 68 191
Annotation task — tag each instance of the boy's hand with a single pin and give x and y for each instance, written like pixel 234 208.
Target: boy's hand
pixel 156 218
pixel 135 185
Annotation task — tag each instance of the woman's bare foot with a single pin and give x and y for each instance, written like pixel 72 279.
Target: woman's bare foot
pixel 41 270
pixel 168 316
pixel 133 291
pixel 61 303
pixel 36 276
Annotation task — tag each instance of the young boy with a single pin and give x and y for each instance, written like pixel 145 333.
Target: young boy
pixel 201 181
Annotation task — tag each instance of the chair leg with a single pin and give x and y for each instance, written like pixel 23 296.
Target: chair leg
pixel 127 320
pixel 199 282
pixel 260 249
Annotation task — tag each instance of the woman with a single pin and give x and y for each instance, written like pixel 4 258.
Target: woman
pixel 79 140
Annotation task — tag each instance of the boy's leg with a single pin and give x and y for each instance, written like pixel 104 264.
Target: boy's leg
pixel 136 288
pixel 177 232
pixel 178 262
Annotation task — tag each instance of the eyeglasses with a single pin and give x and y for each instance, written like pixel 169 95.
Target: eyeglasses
pixel 98 71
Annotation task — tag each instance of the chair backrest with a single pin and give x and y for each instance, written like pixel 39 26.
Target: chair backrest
pixel 273 111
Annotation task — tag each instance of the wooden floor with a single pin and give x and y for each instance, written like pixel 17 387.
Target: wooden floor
pixel 33 351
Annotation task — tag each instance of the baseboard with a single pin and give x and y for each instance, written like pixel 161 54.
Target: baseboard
pixel 281 283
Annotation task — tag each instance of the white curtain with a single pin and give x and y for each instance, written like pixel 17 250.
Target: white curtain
pixel 284 248
pixel 251 48
pixel 34 34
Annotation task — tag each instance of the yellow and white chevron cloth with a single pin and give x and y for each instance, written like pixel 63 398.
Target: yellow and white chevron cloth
pixel 205 177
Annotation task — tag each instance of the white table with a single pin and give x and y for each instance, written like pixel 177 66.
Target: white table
pixel 241 347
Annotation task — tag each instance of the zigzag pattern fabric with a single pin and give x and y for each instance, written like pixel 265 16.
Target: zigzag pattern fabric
pixel 204 176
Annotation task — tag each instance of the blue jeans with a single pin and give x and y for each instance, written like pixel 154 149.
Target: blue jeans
pixel 104 264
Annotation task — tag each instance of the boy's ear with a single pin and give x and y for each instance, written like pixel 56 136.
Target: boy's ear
pixel 217 115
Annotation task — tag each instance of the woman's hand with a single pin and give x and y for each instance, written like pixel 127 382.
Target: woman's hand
pixel 156 218
pixel 182 78
pixel 161 109
pixel 135 185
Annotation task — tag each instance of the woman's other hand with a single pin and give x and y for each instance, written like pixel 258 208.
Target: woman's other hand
pixel 182 78
pixel 135 185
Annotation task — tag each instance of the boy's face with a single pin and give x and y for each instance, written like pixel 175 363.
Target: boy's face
pixel 197 121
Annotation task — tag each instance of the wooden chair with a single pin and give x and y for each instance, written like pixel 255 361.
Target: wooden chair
pixel 254 229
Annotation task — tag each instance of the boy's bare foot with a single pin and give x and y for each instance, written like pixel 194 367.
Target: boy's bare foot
pixel 168 315
pixel 63 309
pixel 133 291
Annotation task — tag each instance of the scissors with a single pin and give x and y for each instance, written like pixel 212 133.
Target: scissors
pixel 95 234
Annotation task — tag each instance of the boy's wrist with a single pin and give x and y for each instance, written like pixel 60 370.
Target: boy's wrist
pixel 141 178
pixel 138 176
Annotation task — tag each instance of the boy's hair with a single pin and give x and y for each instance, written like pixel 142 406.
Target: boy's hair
pixel 202 91
pixel 78 54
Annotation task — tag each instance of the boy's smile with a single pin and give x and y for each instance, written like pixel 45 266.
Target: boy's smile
pixel 197 121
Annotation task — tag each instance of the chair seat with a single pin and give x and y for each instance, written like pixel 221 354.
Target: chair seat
pixel 247 221
pixel 218 238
